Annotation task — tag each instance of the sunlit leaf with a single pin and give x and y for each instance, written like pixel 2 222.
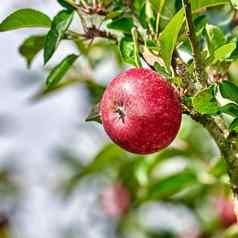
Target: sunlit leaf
pixel 207 3
pixel 205 102
pixel 216 37
pixel 234 3
pixel 25 18
pixel 114 14
pixel 224 51
pixel 167 10
pixel 168 37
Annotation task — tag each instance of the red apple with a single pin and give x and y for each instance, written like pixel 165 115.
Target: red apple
pixel 115 200
pixel 141 111
pixel 226 211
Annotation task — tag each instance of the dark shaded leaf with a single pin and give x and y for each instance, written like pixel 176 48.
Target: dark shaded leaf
pixel 231 109
pixel 66 4
pixel 234 126
pixel 229 90
pixel 60 24
pixel 25 18
pixel 31 47
pixel 199 23
pixel 124 24
pixel 60 70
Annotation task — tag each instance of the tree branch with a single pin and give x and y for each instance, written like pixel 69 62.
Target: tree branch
pixel 227 146
pixel 200 72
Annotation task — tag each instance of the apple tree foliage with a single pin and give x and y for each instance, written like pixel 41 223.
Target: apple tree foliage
pixel 194 44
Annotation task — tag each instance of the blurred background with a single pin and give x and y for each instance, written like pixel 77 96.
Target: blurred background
pixel 61 177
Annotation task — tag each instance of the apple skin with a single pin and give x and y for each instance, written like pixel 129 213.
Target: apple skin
pixel 115 200
pixel 226 211
pixel 141 111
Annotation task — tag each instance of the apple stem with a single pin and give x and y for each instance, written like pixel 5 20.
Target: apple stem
pixel 120 111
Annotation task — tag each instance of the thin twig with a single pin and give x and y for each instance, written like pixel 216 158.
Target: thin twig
pixel 83 21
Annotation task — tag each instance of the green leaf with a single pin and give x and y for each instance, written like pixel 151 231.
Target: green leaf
pixel 216 37
pixel 69 4
pixel 229 90
pixel 150 16
pixel 124 24
pixel 148 9
pixel 219 168
pixel 60 70
pixel 111 156
pixel 60 24
pixel 114 14
pixel 31 47
pixel 162 70
pixel 136 47
pixel 168 37
pixel 234 125
pixel 126 46
pixel 200 23
pixel 43 93
pixel 95 90
pixel 224 52
pixel 234 3
pixel 171 185
pixel 205 102
pixel 25 18
pixel 230 108
pixel 138 4
pixel 167 12
pixel 207 3
pixel 94 115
